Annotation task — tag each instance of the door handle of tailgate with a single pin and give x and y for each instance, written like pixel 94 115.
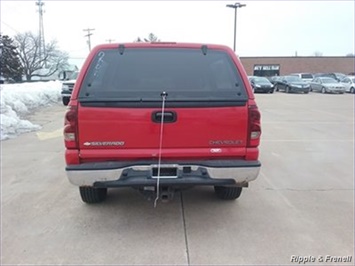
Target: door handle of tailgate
pixel 169 116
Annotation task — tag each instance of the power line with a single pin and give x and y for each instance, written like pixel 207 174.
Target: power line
pixel 7 25
pixel 88 35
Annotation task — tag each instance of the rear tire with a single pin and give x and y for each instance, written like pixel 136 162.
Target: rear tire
pixel 93 195
pixel 323 90
pixel 228 193
pixel 351 90
pixel 65 100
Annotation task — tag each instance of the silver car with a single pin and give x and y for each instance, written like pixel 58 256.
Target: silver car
pixel 326 85
pixel 349 83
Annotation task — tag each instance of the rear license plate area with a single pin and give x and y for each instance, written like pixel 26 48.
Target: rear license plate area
pixel 165 172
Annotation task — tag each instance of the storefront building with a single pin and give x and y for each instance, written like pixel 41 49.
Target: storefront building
pixel 271 66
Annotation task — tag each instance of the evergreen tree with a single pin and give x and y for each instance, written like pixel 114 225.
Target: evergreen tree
pixel 152 38
pixel 10 65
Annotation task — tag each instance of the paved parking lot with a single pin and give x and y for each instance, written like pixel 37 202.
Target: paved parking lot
pixel 302 204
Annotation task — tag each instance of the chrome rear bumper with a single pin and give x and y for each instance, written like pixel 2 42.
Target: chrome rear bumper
pixel 119 174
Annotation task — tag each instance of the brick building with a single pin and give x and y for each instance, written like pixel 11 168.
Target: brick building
pixel 271 66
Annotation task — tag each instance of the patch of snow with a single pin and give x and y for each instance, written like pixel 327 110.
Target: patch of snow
pixel 17 100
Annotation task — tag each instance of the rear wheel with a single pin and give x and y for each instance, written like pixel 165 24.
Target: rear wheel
pixel 93 195
pixel 228 193
pixel 65 100
pixel 323 90
pixel 351 90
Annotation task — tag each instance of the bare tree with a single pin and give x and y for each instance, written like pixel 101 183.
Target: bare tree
pixel 317 53
pixel 36 64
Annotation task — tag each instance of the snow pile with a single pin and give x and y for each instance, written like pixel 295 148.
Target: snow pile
pixel 17 100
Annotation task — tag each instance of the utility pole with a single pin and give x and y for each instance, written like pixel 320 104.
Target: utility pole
pixel 41 42
pixel 235 6
pixel 88 35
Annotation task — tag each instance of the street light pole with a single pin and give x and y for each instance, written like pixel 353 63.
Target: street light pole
pixel 235 6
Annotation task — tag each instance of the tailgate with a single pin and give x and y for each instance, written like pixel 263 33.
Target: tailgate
pixel 134 133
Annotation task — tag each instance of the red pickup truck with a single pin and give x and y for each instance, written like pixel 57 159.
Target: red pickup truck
pixel 161 117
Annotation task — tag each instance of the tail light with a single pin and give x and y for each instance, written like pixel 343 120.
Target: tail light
pixel 254 127
pixel 71 128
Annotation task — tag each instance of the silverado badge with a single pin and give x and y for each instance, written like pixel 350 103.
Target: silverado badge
pixel 104 143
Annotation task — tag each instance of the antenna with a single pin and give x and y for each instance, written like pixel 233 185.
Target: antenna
pixel 163 96
pixel 41 42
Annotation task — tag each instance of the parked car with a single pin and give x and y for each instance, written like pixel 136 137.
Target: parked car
pixel 274 79
pixel 308 77
pixel 67 88
pixel 349 83
pixel 161 117
pixel 261 84
pixel 326 85
pixel 292 84
pixel 336 76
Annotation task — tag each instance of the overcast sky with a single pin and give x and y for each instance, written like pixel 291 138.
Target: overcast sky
pixel 264 28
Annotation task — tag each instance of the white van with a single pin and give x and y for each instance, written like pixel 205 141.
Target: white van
pixel 304 76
